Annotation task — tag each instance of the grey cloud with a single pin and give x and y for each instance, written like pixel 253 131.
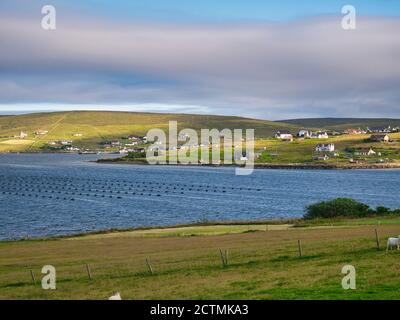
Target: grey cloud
pixel 305 68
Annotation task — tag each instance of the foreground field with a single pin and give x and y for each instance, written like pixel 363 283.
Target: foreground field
pixel 261 264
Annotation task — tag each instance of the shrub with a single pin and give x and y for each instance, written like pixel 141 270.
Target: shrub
pixel 382 211
pixel 135 155
pixel 341 207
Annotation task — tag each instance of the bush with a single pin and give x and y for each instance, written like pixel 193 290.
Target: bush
pixel 136 155
pixel 341 207
pixel 382 211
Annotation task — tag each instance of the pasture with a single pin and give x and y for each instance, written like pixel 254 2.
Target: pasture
pixel 263 263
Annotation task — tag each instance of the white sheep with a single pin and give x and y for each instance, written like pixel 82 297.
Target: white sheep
pixel 116 296
pixel 392 243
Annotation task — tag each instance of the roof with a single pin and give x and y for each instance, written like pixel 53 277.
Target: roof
pixel 379 135
pixel 283 132
pixel 325 144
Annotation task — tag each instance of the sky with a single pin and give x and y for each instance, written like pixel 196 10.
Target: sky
pixel 274 60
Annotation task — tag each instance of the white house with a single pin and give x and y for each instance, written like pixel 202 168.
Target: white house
pixel 41 132
pixel 303 134
pixel 65 142
pixel 321 157
pixel 319 135
pixel 22 135
pixel 322 147
pixel 283 135
pixel 365 152
pixel 380 138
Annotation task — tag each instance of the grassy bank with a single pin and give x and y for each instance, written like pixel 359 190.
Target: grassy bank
pixel 263 262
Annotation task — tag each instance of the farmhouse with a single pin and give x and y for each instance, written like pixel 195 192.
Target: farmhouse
pixel 354 131
pixel 303 134
pixel 322 147
pixel 41 132
pixel 319 135
pixel 22 135
pixel 65 142
pixel 365 152
pixel 321 157
pixel 283 135
pixel 382 129
pixel 380 138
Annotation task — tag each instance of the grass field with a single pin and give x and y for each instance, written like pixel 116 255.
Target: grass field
pixel 187 265
pixel 97 127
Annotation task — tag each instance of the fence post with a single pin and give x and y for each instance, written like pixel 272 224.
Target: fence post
pixel 377 239
pixel 33 277
pixel 89 272
pixel 149 266
pixel 300 249
pixel 224 258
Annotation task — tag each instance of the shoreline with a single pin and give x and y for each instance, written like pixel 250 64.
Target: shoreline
pixel 285 166
pixel 193 229
pixel 288 166
pixel 121 231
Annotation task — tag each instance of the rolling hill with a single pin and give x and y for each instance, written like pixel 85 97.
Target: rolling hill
pixel 95 127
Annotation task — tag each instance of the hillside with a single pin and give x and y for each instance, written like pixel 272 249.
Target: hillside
pixel 342 123
pixel 95 127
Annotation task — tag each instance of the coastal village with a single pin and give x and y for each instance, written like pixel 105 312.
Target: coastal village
pixel 324 151
pixel 375 145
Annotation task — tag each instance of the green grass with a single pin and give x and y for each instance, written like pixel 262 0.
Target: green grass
pixel 262 264
pixel 97 127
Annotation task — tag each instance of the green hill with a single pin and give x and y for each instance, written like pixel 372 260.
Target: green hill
pixel 342 123
pixel 95 127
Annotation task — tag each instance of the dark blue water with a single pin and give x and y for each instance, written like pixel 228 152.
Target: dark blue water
pixel 47 195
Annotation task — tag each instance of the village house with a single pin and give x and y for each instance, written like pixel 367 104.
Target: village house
pixel 138 139
pixel 354 131
pixel 322 147
pixel 319 135
pixel 22 135
pixel 283 135
pixel 380 138
pixel 131 144
pixel 365 152
pixel 41 132
pixel 321 157
pixel 382 129
pixel 303 134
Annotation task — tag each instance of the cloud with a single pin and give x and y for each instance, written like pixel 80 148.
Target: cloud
pixel 269 70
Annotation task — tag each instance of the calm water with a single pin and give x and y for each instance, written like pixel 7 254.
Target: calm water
pixel 45 195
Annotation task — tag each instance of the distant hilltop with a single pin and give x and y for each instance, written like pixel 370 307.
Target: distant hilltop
pixel 341 124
